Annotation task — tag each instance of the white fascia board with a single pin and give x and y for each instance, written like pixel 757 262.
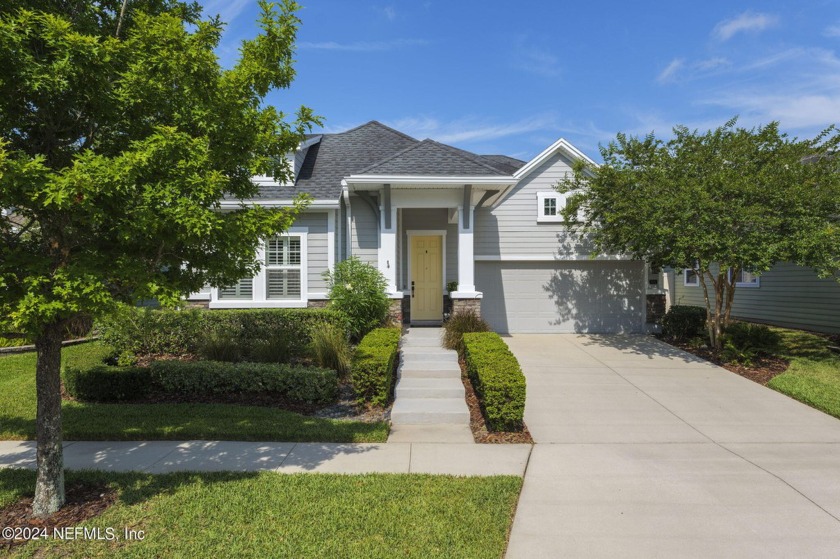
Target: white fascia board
pixel 311 141
pixel 559 145
pixel 315 205
pixel 453 181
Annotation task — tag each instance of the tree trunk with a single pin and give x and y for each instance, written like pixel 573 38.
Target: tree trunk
pixel 49 485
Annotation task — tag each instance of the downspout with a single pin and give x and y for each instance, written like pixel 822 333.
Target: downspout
pixel 345 193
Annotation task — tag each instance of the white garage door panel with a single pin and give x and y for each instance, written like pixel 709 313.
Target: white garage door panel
pixel 596 296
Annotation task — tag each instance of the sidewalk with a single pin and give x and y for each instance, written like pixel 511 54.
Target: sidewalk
pixel 210 456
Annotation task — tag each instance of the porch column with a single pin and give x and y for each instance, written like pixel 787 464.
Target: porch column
pixel 388 248
pixel 466 260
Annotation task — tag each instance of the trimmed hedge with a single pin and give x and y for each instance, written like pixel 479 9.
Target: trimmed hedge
pixel 144 331
pixel 497 379
pixel 374 366
pixel 684 322
pixel 301 384
pixel 102 383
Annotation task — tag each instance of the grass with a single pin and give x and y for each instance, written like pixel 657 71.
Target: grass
pixel 87 421
pixel 303 515
pixel 814 373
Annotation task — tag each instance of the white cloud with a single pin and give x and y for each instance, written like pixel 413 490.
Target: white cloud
pixel 390 13
pixel 669 72
pixel 470 129
pixel 362 46
pixel 747 22
pixel 536 60
pixel 712 64
pixel 228 10
pixel 832 30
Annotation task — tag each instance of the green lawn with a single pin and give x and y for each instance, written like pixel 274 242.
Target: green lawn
pixel 814 373
pixel 304 515
pixel 160 421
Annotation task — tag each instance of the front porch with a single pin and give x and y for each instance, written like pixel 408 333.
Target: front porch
pixel 426 241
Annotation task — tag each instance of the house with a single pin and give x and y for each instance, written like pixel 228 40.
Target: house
pixel 786 295
pixel 427 214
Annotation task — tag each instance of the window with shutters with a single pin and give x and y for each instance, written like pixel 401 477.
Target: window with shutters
pixel 244 289
pixel 283 267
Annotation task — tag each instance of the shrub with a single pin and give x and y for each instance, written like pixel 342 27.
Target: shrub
pixel 459 324
pixel 218 347
pixel 743 342
pixel 144 331
pixel 374 366
pixel 302 384
pixel 683 322
pixel 497 379
pixel 357 289
pixel 331 349
pixel 268 351
pixel 107 384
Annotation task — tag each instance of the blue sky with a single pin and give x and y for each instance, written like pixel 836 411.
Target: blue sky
pixel 512 77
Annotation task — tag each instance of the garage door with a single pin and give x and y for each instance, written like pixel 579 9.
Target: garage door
pixel 578 296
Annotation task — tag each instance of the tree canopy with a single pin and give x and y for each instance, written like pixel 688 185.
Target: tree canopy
pixel 120 134
pixel 741 199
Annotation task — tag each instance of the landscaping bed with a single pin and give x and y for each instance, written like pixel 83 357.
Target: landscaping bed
pixel 165 421
pixel 269 515
pixel 478 425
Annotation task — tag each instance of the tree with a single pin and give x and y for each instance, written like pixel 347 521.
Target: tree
pixel 728 199
pixel 119 136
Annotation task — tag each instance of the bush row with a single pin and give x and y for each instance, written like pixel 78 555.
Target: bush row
pixel 204 378
pixel 270 335
pixel 374 366
pixel 497 379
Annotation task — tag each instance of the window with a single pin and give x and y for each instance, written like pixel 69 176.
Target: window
pixel 746 279
pixel 244 289
pixel 283 267
pixel 549 206
pixel 690 278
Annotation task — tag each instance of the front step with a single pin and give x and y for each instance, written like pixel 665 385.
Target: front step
pixel 431 434
pixel 406 373
pixel 424 411
pixel 424 387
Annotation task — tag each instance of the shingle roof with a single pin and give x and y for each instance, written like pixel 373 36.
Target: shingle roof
pixel 505 162
pixel 432 158
pixel 376 149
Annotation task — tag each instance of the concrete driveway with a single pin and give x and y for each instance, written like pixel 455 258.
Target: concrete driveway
pixel 646 451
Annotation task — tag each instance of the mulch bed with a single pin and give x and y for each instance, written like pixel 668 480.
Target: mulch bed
pixel 480 432
pixel 84 502
pixel 762 370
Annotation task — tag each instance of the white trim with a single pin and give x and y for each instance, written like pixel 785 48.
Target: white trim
pixel 345 193
pixel 545 258
pixel 696 278
pixel 315 205
pixel 331 240
pixel 453 181
pixel 245 304
pixel 426 233
pixel 560 202
pixel 559 145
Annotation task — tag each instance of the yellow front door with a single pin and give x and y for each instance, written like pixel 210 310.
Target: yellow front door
pixel 427 278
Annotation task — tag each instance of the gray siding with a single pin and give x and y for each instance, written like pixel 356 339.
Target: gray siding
pixel 365 238
pixel 512 228
pixel 788 295
pixel 316 242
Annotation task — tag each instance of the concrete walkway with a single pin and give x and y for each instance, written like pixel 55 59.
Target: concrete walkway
pixel 646 451
pixel 429 404
pixel 208 456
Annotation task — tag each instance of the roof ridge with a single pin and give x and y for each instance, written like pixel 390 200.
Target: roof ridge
pixel 379 124
pixel 392 156
pixel 474 157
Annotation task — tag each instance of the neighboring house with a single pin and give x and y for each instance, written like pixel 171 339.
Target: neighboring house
pixel 427 214
pixel 786 295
